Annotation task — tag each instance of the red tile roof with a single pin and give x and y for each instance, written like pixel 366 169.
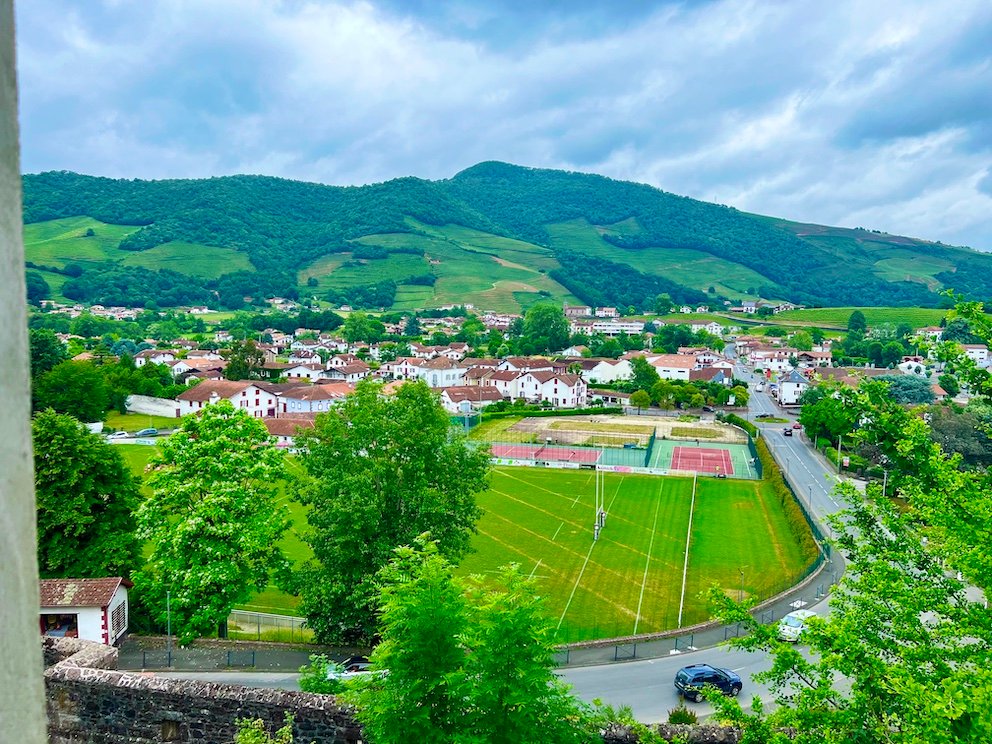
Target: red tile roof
pixel 80 592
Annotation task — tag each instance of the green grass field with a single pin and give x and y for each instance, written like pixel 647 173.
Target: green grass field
pixel 631 579
pixel 132 422
pixel 917 317
pixel 63 241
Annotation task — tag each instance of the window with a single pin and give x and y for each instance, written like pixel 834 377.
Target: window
pixel 118 620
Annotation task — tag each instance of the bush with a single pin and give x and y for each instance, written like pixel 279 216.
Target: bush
pixel 682 715
pixel 735 420
pixel 790 507
pixel 313 676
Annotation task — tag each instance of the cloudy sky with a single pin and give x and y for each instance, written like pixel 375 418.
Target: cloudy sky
pixel 874 114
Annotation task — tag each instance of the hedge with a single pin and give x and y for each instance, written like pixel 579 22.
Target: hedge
pixel 790 507
pixel 524 413
pixel 733 418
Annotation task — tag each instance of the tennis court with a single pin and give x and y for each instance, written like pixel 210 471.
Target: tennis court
pixel 702 460
pixel 546 452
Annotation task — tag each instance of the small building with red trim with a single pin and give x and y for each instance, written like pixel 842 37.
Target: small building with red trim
pixel 91 609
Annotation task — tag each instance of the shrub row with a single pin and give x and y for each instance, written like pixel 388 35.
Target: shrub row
pixel 542 414
pixel 790 507
pixel 733 418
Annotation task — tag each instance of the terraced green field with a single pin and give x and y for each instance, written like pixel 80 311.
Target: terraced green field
pixel 837 317
pixel 64 241
pixel 693 268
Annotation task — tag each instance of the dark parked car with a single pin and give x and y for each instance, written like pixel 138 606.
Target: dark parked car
pixel 691 679
pixel 787 432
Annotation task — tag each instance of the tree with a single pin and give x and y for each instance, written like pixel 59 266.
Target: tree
pixel 467 661
pixel 950 384
pixel 644 374
pixel 857 323
pixel 86 497
pixel 908 389
pixel 75 388
pixel 741 395
pixel 892 353
pixel 244 361
pixel 545 327
pixel 37 288
pixel 640 399
pixel 817 335
pixel 824 413
pixel 46 351
pixel 212 519
pixel 663 304
pixel 910 644
pixel 360 326
pixel 412 327
pixel 963 432
pixel 801 340
pixel 379 470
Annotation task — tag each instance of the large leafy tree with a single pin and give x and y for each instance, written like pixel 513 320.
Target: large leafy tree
pixel 906 652
pixel 379 470
pixel 212 519
pixel 86 500
pixel 46 351
pixel 75 388
pixel 463 662
pixel 545 328
pixel 244 361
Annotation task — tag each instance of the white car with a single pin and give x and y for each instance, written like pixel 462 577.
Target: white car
pixel 791 627
pixel 118 435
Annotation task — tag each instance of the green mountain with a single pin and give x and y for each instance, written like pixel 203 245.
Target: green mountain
pixel 495 235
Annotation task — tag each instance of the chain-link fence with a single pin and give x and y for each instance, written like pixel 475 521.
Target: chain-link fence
pixel 261 626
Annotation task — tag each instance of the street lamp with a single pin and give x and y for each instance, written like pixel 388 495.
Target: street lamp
pixel 740 594
pixel 809 503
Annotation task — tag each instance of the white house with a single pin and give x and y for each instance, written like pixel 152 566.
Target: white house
pixel 978 353
pixel 441 372
pixel 348 372
pixel 244 394
pixel 599 370
pixel 528 364
pixel 673 366
pixel 154 356
pixel 791 387
pixel 476 396
pixel 311 399
pixel 91 609
pixel 403 368
pixel 560 390
pixel 305 372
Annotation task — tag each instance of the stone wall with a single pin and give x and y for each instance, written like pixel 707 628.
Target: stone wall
pixel 90 702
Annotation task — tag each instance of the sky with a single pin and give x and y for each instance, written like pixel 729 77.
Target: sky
pixel 862 114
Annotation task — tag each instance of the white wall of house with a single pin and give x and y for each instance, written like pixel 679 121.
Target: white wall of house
pixel 89 620
pixel 673 373
pixel 117 629
pixel 789 392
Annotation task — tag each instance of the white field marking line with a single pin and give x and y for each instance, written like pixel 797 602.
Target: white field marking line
pixel 536 565
pixel 576 585
pixel 585 563
pixel 557 531
pixel 688 536
pixel 647 563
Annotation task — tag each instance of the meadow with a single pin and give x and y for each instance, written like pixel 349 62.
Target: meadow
pixel 836 317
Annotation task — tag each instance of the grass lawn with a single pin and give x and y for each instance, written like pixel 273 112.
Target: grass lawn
pixel 694 432
pixel 632 577
pixel 495 430
pixel 133 422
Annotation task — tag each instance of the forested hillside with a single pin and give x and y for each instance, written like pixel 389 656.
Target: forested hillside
pixel 497 235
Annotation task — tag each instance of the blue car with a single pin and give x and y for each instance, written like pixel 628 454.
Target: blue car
pixel 690 680
pixel 147 433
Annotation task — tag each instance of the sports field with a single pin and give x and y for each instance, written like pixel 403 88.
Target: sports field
pixel 631 579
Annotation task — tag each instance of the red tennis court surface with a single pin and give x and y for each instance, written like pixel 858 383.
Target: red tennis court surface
pixel 702 460
pixel 544 452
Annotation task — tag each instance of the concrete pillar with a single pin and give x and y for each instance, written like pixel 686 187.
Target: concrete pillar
pixel 22 703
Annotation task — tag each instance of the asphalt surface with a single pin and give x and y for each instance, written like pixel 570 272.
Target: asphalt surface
pixel 647 685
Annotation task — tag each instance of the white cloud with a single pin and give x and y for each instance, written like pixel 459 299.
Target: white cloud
pixel 850 112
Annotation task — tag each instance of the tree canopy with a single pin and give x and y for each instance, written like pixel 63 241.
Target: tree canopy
pixel 86 499
pixel 212 519
pixel 379 470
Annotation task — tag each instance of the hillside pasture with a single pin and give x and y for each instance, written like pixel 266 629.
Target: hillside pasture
pixel 837 317
pixel 205 261
pixel 64 241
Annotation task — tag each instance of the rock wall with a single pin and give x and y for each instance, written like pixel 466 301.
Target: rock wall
pixel 89 702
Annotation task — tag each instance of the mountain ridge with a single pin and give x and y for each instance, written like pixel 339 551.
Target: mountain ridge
pixel 655 240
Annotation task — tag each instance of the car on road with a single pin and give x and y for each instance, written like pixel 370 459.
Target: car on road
pixel 353 666
pixel 797 425
pixel 791 627
pixel 787 432
pixel 762 415
pixel 147 433
pixel 690 680
pixel 118 435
